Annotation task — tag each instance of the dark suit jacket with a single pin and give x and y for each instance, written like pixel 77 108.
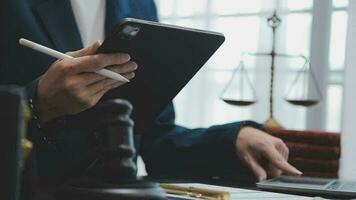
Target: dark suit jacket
pixel 167 149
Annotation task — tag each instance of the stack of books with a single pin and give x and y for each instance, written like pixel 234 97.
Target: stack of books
pixel 315 153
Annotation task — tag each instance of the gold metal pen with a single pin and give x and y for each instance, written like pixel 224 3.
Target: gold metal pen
pixel 194 192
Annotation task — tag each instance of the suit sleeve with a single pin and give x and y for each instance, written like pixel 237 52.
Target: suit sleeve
pixel 176 151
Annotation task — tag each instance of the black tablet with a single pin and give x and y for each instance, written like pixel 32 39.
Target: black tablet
pixel 168 57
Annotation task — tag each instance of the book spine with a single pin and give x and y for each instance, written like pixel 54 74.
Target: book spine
pixel 309 165
pixel 307 137
pixel 321 174
pixel 318 152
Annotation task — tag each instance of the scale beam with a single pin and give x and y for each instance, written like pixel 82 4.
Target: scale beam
pixel 305 100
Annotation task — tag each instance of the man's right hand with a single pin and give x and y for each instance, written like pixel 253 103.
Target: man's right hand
pixel 70 86
pixel 266 155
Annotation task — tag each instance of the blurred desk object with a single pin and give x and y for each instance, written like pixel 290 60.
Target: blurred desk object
pixel 12 128
pixel 315 153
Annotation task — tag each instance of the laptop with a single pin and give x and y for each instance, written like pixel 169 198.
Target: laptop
pixel 312 186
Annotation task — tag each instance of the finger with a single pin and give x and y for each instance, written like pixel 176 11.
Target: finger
pixel 285 153
pixel 93 63
pixel 124 68
pixel 115 85
pixel 102 85
pixel 282 148
pixel 100 94
pixel 89 78
pixel 90 50
pixel 273 171
pixel 112 86
pixel 129 75
pixel 275 158
pixel 256 168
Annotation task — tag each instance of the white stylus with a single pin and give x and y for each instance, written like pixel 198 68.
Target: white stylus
pixel 59 55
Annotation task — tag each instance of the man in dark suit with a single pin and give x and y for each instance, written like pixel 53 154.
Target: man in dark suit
pixel 60 88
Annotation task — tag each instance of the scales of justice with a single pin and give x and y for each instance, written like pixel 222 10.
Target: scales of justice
pixel 304 90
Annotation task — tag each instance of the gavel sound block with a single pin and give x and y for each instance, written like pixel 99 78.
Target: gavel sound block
pixel 113 175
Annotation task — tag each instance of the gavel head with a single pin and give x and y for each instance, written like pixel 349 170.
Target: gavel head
pixel 114 130
pixel 113 174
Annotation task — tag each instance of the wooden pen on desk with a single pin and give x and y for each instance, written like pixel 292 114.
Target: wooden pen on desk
pixel 194 192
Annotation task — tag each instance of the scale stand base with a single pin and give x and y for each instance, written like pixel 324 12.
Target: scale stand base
pixel 272 123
